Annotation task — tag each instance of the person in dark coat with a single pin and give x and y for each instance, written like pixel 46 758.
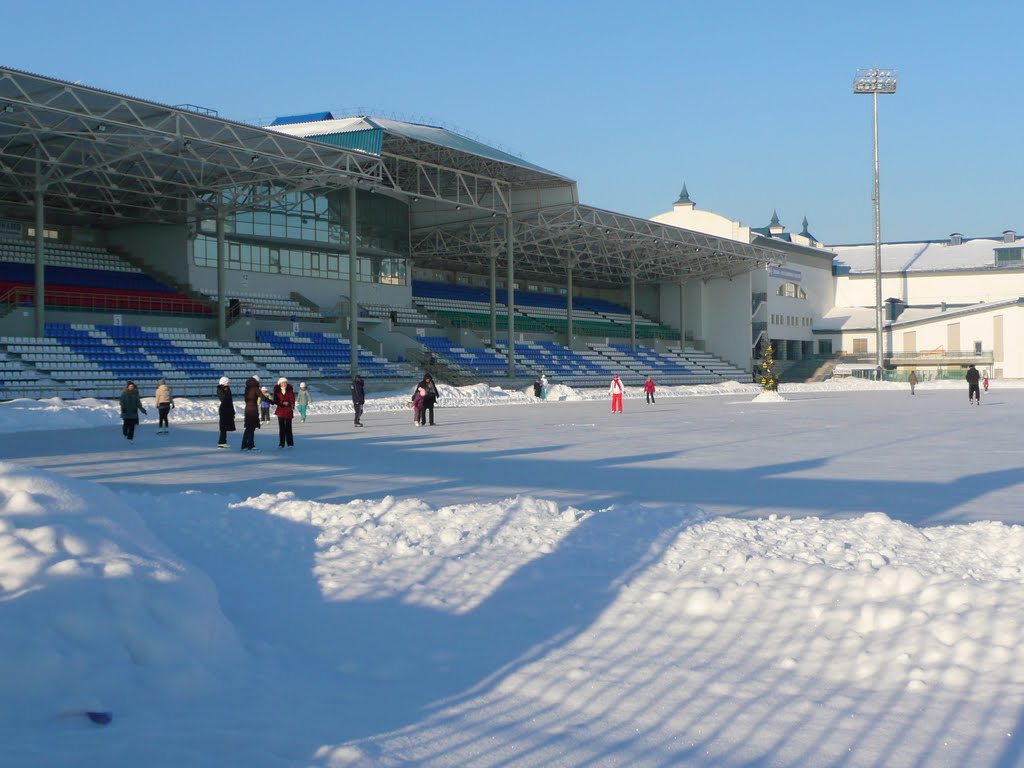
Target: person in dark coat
pixel 358 398
pixel 284 399
pixel 252 413
pixel 973 390
pixel 428 399
pixel 226 411
pixel 131 404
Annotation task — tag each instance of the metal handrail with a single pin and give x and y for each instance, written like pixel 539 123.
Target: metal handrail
pixel 68 298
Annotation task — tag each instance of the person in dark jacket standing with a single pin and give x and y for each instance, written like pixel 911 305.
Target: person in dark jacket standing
pixel 973 390
pixel 226 411
pixel 284 399
pixel 358 398
pixel 428 399
pixel 252 413
pixel 131 404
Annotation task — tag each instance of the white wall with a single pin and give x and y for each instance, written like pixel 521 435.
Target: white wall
pixel 960 287
pixel 688 217
pixel 726 319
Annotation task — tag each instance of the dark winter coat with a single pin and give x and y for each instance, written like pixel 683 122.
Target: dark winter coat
pixel 973 377
pixel 358 391
pixel 226 411
pixel 131 404
pixel 252 403
pixel 431 397
pixel 285 401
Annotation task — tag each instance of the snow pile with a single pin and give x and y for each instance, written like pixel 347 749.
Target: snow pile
pixel 768 396
pixel 95 610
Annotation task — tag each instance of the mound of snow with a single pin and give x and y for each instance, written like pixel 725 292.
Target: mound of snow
pixel 96 612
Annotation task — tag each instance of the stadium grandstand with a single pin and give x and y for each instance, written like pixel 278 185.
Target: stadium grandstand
pixel 145 241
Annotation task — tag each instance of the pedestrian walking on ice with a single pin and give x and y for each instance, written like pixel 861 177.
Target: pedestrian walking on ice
pixel 973 391
pixel 225 411
pixel 912 379
pixel 164 402
pixel 358 399
pixel 131 404
pixel 616 389
pixel 302 400
pixel 252 413
pixel 649 390
pixel 284 399
pixel 984 383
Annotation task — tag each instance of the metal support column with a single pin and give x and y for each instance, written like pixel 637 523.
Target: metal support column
pixel 568 305
pixel 494 295
pixel 222 323
pixel 511 301
pixel 878 253
pixel 353 306
pixel 40 295
pixel 682 315
pixel 632 312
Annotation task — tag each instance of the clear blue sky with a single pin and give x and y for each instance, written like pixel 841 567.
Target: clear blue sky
pixel 750 104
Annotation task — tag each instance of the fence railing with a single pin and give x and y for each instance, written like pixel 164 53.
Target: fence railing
pixel 99 301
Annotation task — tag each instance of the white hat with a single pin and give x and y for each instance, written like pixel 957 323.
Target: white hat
pixel 256 376
pixel 224 381
pixel 282 380
pixel 302 385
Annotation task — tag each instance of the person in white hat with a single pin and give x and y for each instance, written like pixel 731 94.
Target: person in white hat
pixel 303 400
pixel 284 399
pixel 226 411
pixel 616 389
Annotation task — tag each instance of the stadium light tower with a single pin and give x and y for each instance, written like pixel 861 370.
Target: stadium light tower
pixel 876 81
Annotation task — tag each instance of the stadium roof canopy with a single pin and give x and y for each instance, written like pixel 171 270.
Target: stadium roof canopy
pixel 96 154
pixel 463 192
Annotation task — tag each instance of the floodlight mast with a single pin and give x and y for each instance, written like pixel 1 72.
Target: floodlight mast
pixel 876 81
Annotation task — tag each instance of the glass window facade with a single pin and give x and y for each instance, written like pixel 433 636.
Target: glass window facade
pixel 306 234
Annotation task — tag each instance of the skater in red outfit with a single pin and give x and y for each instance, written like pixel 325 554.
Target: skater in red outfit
pixel 616 389
pixel 649 389
pixel 984 383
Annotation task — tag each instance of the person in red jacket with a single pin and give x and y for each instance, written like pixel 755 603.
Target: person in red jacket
pixel 649 389
pixel 284 399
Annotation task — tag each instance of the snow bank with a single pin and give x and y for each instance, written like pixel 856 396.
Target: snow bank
pixel 96 612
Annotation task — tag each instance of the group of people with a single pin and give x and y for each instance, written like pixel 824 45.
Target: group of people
pixel 258 401
pixel 423 399
pixel 131 407
pixel 616 390
pixel 975 383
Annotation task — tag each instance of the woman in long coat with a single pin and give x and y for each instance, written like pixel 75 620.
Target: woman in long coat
pixel 284 399
pixel 226 411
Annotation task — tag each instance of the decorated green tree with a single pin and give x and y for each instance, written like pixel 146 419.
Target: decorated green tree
pixel 769 381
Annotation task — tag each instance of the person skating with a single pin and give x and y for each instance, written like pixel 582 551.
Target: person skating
pixel 164 402
pixel 302 400
pixel 131 404
pixel 543 386
pixel 649 390
pixel 616 389
pixel 429 398
pixel 912 379
pixel 252 413
pixel 265 402
pixel 358 398
pixel 225 411
pixel 973 390
pixel 984 383
pixel 417 404
pixel 284 399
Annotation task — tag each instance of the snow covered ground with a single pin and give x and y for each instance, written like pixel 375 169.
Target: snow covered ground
pixel 831 577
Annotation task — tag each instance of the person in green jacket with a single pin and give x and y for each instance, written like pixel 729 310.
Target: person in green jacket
pixel 131 404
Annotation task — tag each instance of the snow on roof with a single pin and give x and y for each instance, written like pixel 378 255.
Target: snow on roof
pixel 920 257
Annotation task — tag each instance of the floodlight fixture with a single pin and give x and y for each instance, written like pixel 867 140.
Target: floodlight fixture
pixel 875 81
pixel 8 108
